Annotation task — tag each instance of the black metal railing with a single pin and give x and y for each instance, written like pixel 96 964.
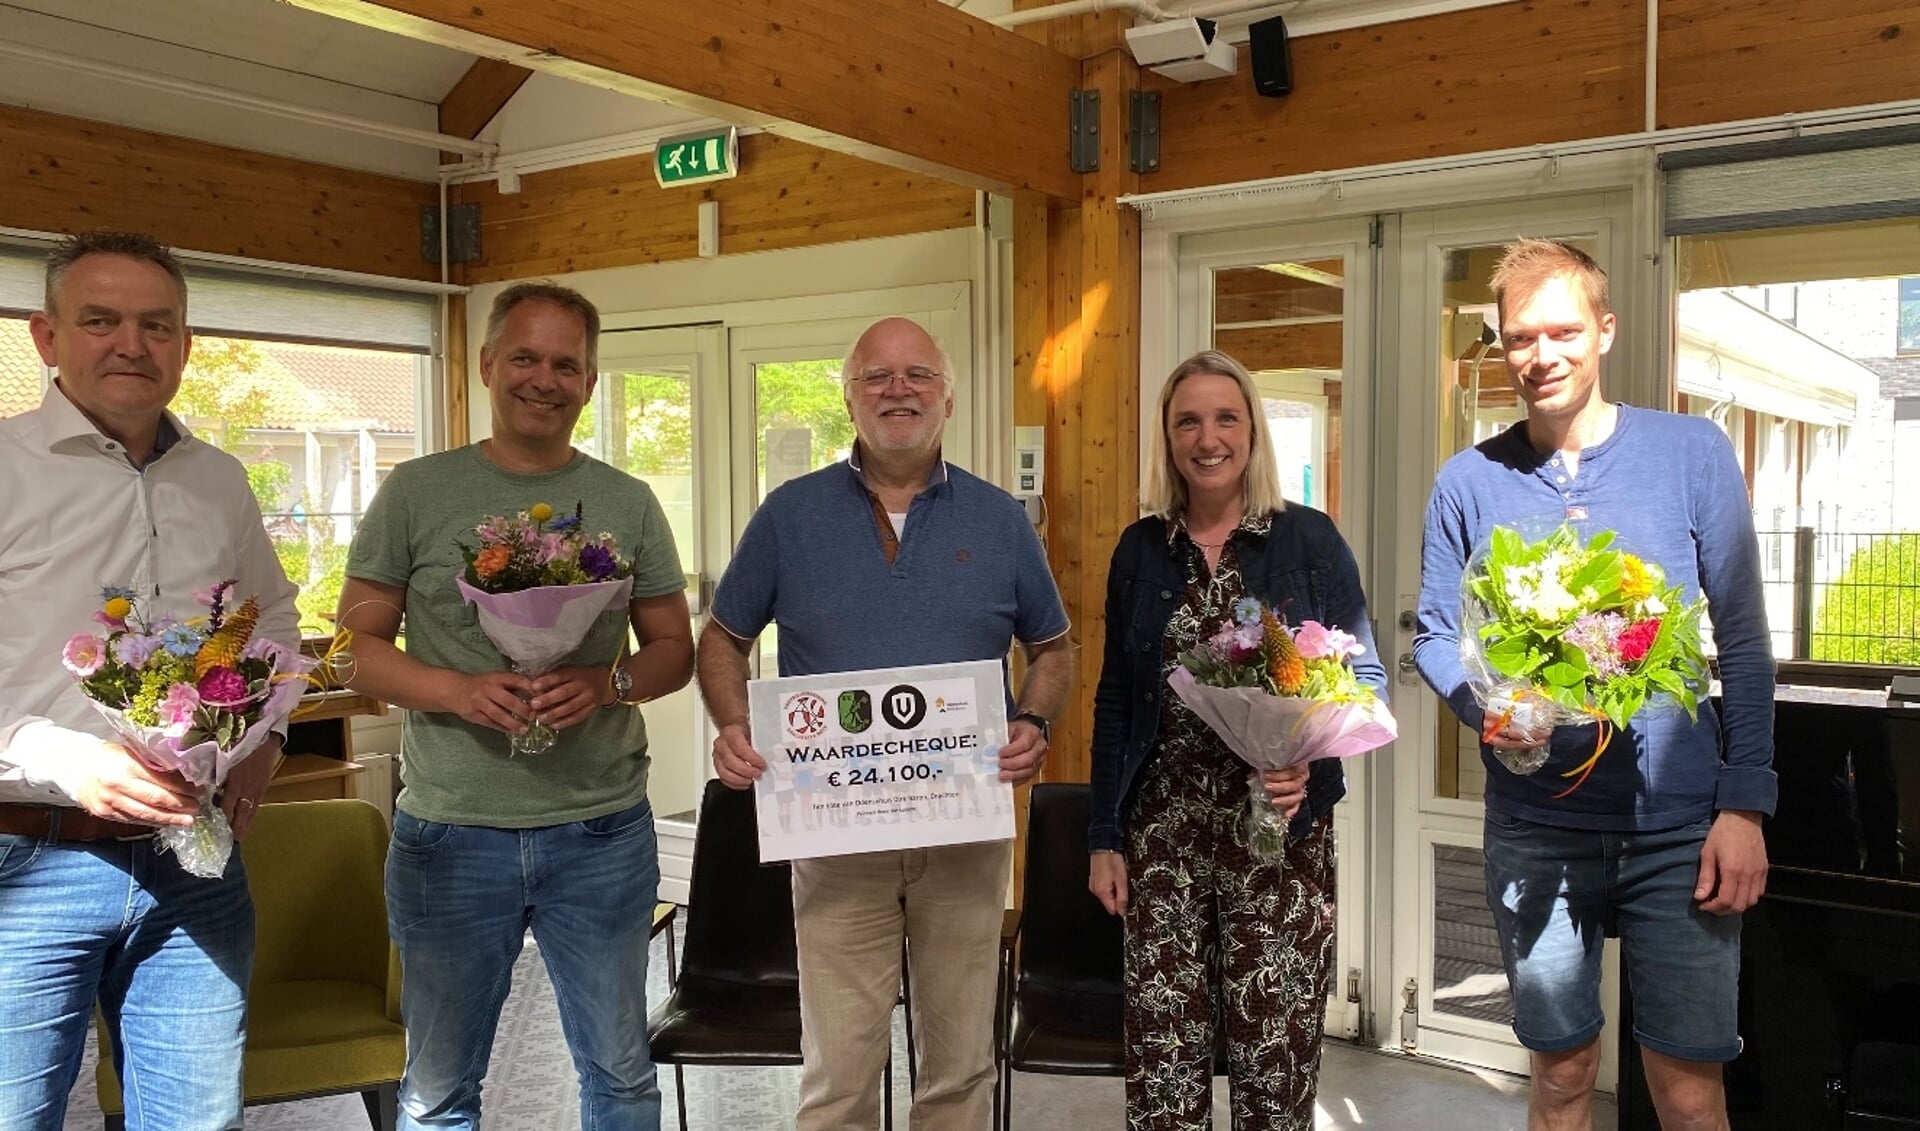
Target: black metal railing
pixel 1849 597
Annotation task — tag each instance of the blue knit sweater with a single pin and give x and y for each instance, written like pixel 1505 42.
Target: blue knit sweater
pixel 1670 486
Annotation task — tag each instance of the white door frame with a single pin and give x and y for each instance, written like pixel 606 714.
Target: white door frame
pixel 678 732
pixel 1419 243
pixel 1348 240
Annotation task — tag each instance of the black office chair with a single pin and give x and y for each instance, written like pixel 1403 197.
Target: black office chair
pixel 1061 1009
pixel 737 999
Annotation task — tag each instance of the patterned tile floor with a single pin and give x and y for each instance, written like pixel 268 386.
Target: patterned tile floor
pixel 531 1086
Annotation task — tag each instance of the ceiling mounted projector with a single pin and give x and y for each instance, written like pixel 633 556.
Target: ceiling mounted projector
pixel 1183 50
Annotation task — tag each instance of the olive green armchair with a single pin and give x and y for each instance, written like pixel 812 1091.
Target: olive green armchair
pixel 323 1009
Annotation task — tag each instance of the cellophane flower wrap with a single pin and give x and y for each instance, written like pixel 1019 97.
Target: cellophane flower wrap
pixel 190 697
pixel 1565 631
pixel 1279 696
pixel 537 584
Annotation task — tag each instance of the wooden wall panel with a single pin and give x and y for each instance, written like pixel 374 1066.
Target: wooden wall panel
pixel 1485 78
pixel 1252 294
pixel 1316 345
pixel 1722 62
pixel 788 194
pixel 61 174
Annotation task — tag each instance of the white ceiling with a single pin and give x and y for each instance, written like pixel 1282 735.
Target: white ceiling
pixel 275 35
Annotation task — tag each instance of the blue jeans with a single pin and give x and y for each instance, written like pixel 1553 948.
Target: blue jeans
pixel 167 955
pixel 460 899
pixel 1557 893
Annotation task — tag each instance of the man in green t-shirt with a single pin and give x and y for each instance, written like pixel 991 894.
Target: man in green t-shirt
pixel 486 844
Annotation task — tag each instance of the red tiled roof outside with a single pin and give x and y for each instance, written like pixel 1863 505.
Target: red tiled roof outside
pixel 19 368
pixel 306 387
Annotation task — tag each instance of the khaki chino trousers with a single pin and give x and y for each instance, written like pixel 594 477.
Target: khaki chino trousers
pixel 850 914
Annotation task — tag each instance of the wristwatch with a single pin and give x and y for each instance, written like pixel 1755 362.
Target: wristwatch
pixel 1046 728
pixel 622 685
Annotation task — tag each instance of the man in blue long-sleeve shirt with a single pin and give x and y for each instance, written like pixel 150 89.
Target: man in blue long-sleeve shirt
pixel 1661 845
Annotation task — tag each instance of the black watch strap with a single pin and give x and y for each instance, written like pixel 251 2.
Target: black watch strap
pixel 1041 721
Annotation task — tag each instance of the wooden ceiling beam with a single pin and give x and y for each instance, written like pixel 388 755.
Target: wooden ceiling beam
pixel 913 84
pixel 479 97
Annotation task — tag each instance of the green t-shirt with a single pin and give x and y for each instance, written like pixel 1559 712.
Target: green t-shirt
pixel 454 771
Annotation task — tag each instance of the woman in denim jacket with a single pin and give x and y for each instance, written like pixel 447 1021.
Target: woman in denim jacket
pixel 1168 853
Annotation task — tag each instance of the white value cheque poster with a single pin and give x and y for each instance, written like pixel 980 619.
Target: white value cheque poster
pixel 872 760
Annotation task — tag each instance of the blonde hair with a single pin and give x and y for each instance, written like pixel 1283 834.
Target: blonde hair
pixel 1165 492
pixel 1526 265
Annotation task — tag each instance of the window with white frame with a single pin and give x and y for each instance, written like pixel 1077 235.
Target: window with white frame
pixel 1797 272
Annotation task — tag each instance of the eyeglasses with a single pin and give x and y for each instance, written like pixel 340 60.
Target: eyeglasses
pixel 918 379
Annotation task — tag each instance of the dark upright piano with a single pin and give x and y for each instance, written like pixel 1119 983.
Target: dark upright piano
pixel 1830 957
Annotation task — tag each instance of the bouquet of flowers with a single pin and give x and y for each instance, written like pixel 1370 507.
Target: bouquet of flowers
pixel 1280 696
pixel 537 583
pixel 192 697
pixel 1559 632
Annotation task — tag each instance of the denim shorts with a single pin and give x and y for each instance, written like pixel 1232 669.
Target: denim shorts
pixel 1557 893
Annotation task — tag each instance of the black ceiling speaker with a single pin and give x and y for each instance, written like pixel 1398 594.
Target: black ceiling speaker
pixel 1272 61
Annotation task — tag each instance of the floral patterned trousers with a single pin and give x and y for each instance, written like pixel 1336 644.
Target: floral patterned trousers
pixel 1217 938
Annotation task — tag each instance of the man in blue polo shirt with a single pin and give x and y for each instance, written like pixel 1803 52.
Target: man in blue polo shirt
pixel 893 558
pixel 1661 845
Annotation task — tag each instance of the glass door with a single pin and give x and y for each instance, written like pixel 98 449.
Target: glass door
pixel 658 411
pixel 1294 305
pixel 1450 991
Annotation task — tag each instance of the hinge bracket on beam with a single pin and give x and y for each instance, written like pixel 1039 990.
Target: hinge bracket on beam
pixel 1083 130
pixel 463 233
pixel 1143 131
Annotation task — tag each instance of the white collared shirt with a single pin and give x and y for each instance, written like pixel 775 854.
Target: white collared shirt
pixel 79 516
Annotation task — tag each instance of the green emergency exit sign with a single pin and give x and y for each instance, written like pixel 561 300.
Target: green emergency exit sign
pixel 693 158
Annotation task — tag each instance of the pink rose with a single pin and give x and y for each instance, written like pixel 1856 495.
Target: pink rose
pixel 177 709
pixel 84 654
pixel 1318 642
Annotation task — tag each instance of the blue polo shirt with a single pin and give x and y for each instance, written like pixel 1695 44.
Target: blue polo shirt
pixel 967 579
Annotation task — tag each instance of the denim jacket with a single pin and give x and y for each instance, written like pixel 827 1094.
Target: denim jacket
pixel 1302 562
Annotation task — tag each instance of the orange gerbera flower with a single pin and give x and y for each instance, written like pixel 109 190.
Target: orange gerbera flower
pixel 491 560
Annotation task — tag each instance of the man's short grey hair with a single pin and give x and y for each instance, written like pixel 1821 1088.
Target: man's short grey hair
pixel 107 241
pixel 566 298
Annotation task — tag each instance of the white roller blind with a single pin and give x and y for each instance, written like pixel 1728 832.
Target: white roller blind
pixel 1829 179
pixel 226 302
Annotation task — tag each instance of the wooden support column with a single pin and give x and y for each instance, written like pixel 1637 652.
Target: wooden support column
pixel 459 433
pixel 1076 351
pixel 1076 370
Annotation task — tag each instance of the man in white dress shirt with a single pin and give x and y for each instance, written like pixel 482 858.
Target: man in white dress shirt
pixel 104 487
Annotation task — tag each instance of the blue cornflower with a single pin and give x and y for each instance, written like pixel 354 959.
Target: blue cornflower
pixel 1246 611
pixel 124 592
pixel 181 640
pixel 565 523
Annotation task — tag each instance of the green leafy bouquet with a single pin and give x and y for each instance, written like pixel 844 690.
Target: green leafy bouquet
pixel 1560 631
